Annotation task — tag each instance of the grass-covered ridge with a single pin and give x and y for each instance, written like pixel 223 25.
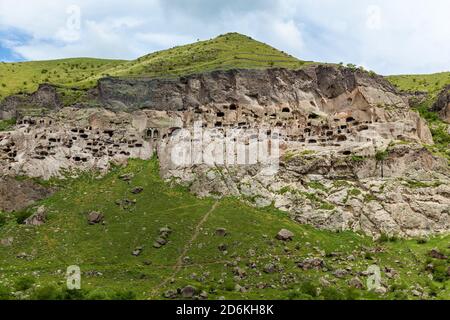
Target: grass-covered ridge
pixel 430 83
pixel 228 51
pixel 34 265
pixel 25 77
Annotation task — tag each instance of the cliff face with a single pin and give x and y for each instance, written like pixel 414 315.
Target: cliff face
pixel 350 149
pixel 442 104
pixel 263 87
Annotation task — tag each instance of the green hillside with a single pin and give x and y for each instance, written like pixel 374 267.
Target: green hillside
pixel 431 83
pixel 227 51
pixel 250 257
pixel 26 76
pixel 224 52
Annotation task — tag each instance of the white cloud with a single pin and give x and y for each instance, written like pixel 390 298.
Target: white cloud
pixel 387 36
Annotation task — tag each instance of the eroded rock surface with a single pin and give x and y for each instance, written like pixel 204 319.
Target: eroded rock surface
pixel 351 152
pixel 18 194
pixel 442 104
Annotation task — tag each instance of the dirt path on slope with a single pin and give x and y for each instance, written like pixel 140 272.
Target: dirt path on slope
pixel 179 263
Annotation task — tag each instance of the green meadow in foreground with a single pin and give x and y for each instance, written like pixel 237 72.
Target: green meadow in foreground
pixel 247 263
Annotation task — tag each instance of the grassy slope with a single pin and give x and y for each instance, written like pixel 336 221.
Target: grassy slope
pixel 67 239
pixel 224 52
pixel 26 76
pixel 431 83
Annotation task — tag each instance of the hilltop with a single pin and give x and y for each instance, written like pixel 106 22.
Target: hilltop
pixel 229 51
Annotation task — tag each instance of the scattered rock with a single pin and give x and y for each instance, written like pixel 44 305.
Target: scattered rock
pixel 203 295
pixel 137 190
pixel 156 245
pixel 381 290
pixel 126 203
pixel 285 235
pixel 416 293
pixel 188 292
pixel 221 232
pixel 324 282
pixel 7 242
pixel 241 273
pixel 270 268
pixel 437 255
pixel 356 283
pixel 161 241
pixel 187 260
pixel 137 252
pixel 311 263
pixel 165 230
pixel 38 218
pixel 23 255
pixel 126 177
pixel 95 217
pixel 223 247
pixel 340 273
pixel 239 288
pixel 170 294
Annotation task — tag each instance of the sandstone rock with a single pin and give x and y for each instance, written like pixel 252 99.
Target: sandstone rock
pixel 7 242
pixel 240 288
pixel 222 247
pixel 270 268
pixel 156 245
pixel 284 235
pixel 241 273
pixel 188 292
pixel 170 294
pixel 203 295
pixel 165 230
pixel 333 122
pixel 437 255
pixel 442 105
pixel 311 263
pixel 137 252
pixel 126 177
pixel 221 232
pixel 38 218
pixel 137 190
pixel 340 273
pixel 161 241
pixel 324 282
pixel 17 195
pixel 356 283
pixel 381 290
pixel 95 217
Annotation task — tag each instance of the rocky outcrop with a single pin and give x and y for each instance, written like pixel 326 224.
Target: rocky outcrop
pixel 412 199
pixel 442 105
pixel 347 146
pixel 45 99
pixel 16 194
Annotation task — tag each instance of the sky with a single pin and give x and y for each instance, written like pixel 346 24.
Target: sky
pixel 389 37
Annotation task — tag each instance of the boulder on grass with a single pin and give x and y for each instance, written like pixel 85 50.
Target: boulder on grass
pixel 95 217
pixel 284 235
